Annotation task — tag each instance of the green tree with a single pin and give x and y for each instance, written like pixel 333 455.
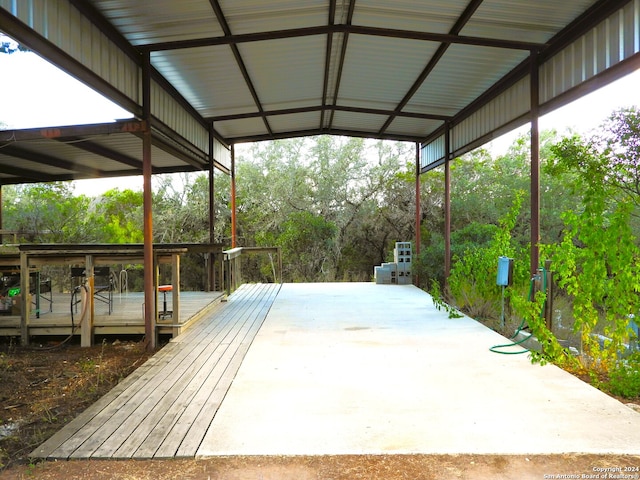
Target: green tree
pixel 48 213
pixel 597 260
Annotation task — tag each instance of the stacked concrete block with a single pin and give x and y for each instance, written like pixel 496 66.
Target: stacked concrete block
pixel 398 272
pixel 403 258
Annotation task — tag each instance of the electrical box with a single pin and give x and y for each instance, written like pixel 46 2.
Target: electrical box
pixel 505 272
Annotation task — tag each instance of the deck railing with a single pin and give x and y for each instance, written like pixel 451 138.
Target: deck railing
pixel 232 262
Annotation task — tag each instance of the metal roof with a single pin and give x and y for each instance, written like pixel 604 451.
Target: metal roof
pixel 259 70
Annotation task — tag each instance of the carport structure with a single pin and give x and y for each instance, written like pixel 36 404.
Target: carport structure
pixel 201 76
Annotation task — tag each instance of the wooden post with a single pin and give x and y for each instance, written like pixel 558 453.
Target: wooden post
pixel 25 304
pixel 175 291
pixel 86 328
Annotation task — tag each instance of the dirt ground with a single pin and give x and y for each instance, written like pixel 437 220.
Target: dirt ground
pixel 43 387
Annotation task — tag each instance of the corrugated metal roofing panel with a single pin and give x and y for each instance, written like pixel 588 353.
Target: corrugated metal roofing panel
pixel 208 78
pixel 522 19
pixel 154 21
pixel 379 71
pixel 404 126
pixel 293 123
pixel 242 127
pixel 611 42
pixel 245 16
pixel 463 73
pixel 357 122
pixel 286 74
pixel 507 107
pixel 435 16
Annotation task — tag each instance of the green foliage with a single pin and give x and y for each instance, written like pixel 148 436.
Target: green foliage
pixel 47 213
pixel 624 379
pixel 440 303
pixel 596 262
pixel 473 276
pixel 304 239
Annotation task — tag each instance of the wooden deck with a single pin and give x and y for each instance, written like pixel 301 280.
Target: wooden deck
pixel 126 317
pixel 164 409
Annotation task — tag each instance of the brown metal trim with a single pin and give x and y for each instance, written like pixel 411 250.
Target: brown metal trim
pixel 234 219
pixel 57 132
pixel 239 61
pixel 342 57
pixel 323 108
pixel 437 56
pixel 211 188
pixel 29 175
pixel 327 60
pixel 535 163
pixel 418 217
pixel 49 160
pixel 447 204
pixel 324 131
pixel 347 29
pixel 149 267
pixel 92 147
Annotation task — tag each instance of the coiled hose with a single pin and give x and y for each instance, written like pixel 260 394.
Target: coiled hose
pixel 497 348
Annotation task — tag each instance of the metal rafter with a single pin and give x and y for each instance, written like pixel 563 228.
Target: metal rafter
pixel 51 161
pixel 312 132
pixel 343 55
pixel 236 53
pixel 437 56
pixel 582 24
pixel 333 28
pixel 327 59
pixel 92 147
pixel 325 108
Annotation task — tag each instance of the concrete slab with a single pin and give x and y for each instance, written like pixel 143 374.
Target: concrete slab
pixel 361 368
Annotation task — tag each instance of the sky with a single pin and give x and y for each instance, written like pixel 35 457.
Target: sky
pixel 30 83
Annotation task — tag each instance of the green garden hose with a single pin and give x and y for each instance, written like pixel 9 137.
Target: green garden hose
pixel 496 348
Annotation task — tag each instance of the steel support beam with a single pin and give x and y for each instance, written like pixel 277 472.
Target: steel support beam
pixel 212 216
pixel 234 232
pixel 418 212
pixel 149 283
pixel 535 164
pixel 447 204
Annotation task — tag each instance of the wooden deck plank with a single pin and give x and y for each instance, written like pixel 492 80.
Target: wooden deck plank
pixel 137 423
pixel 160 430
pixel 159 404
pixel 199 427
pixel 190 429
pixel 135 408
pixel 165 362
pixel 151 408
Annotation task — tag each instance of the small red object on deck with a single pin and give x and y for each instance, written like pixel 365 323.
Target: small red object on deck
pixel 164 289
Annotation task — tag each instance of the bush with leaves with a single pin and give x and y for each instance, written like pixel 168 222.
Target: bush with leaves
pixel 472 283
pixel 597 261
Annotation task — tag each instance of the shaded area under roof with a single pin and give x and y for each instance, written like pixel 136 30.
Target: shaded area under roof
pixel 249 70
